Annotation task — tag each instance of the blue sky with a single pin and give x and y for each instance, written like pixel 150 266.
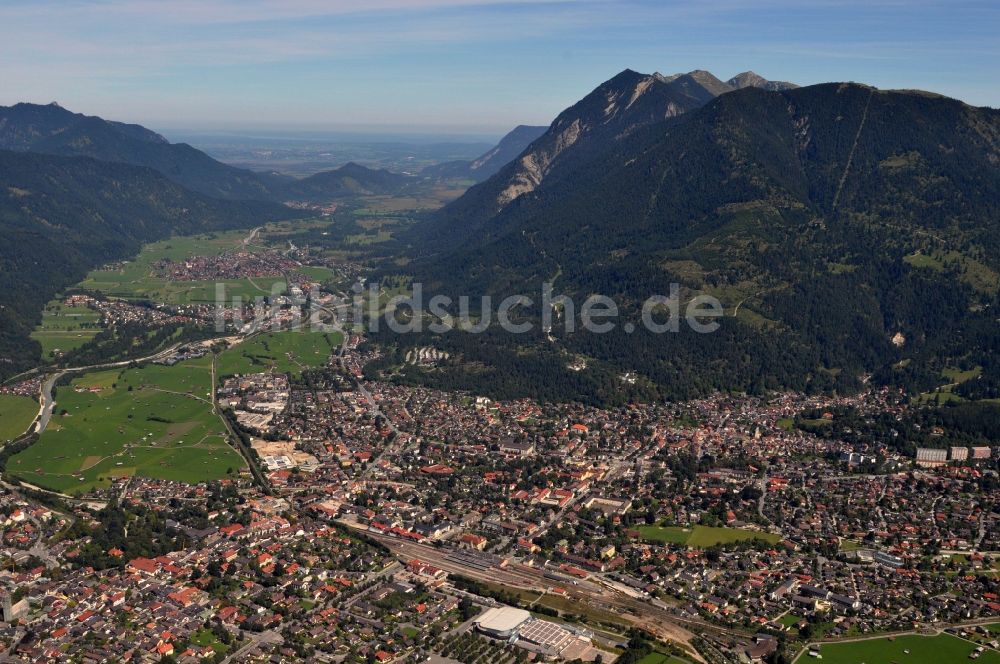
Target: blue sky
pixel 459 66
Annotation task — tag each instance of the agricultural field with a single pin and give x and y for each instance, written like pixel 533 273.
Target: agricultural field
pixel 275 233
pixel 285 352
pixel 16 415
pixel 135 279
pixel 154 421
pixel 65 328
pixel 369 238
pixel 910 649
pixel 430 200
pixel 702 537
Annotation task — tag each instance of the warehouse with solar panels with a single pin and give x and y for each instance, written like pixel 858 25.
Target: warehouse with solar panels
pixel 502 622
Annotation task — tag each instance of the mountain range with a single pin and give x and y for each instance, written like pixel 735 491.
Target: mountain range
pixel 349 180
pixel 850 233
pixel 607 115
pixel 51 129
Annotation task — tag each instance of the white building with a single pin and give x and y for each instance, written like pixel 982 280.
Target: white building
pixel 502 622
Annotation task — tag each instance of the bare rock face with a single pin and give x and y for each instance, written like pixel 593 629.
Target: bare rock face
pixel 613 110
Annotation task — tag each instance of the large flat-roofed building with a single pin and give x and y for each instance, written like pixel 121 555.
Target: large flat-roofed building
pixel 609 506
pixel 959 453
pixel 888 560
pixel 931 457
pixel 517 448
pixel 502 622
pixel 980 452
pixel 550 638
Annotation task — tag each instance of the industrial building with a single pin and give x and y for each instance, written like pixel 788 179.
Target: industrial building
pixel 547 638
pixel 928 457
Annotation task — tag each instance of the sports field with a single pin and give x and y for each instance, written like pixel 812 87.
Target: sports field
pixel 16 414
pixel 657 657
pixel 284 352
pixel 65 328
pixel 155 421
pixel 910 649
pixel 701 537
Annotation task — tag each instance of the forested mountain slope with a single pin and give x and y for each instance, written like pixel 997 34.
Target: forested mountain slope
pixel 60 216
pixel 847 231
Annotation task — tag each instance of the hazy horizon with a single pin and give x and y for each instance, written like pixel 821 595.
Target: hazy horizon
pixel 458 67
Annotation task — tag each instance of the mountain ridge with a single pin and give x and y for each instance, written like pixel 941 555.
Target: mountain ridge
pixel 351 179
pixel 614 109
pixel 753 79
pixel 54 130
pixel 51 129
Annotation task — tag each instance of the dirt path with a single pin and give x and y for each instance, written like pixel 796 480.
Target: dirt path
pixel 854 146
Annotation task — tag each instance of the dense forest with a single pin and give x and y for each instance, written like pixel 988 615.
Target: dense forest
pixel 847 232
pixel 952 424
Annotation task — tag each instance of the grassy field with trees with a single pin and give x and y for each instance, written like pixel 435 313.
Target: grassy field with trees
pixel 703 537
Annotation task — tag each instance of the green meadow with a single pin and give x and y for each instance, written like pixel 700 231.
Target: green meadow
pixel 154 421
pixel 910 649
pixel 316 273
pixel 284 352
pixel 702 537
pixel 65 328
pixel 946 393
pixel 16 415
pixel 977 275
